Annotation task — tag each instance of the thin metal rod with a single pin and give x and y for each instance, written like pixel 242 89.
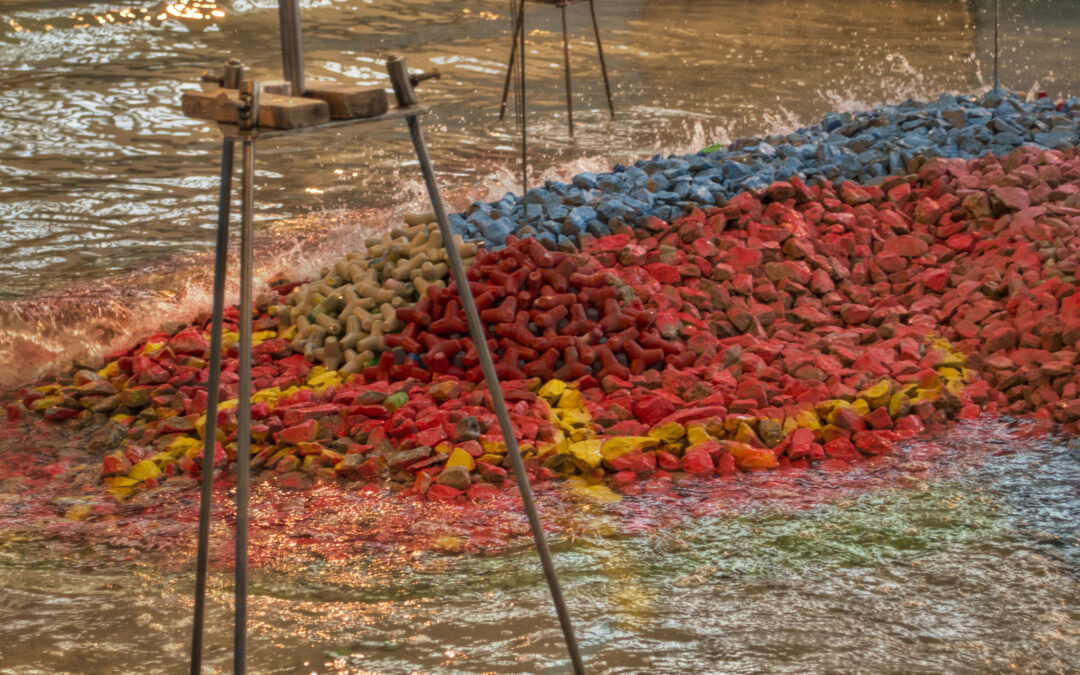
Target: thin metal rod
pixel 221 254
pixel 292 45
pixel 476 331
pixel 566 61
pixel 524 125
pixel 518 20
pixel 997 7
pixel 243 415
pixel 600 51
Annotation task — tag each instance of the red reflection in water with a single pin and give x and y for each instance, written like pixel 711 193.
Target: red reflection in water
pixel 50 491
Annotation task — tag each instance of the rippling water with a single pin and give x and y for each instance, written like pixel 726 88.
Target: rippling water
pixel 961 553
pixel 107 208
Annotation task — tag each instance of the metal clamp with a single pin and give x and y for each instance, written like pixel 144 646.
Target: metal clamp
pixel 249 113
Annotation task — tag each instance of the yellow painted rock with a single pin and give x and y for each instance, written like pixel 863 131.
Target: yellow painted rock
pixel 326 379
pixel 877 395
pixel 268 396
pixel 831 432
pixel 745 434
pixel 461 458
pixel 600 494
pixel 620 445
pixel 927 395
pixel 580 433
pixel 262 336
pixel 732 422
pixel 697 434
pixel 184 445
pixel 949 373
pixel 43 404
pixel 899 405
pixel 493 447
pixel 955 386
pixel 808 419
pixel 668 433
pixel 143 470
pixel 79 512
pixel 587 452
pixel 573 418
pixel 228 339
pixel 306 448
pixel 152 347
pixel 570 399
pixel 552 390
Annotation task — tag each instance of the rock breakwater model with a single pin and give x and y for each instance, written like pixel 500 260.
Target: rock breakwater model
pixel 797 323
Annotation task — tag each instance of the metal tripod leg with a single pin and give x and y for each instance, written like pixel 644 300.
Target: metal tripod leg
pixel 524 121
pixel 566 61
pixel 221 255
pixel 243 416
pixel 600 51
pixel 518 22
pixel 476 331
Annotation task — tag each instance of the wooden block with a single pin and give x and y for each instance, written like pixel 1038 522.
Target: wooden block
pixel 275 112
pixel 349 102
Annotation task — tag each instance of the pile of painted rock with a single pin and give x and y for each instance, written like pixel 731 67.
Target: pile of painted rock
pixel 805 324
pixel 341 319
pixel 864 147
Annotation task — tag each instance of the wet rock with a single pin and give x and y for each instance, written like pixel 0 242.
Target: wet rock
pixel 456 477
pixel 467 429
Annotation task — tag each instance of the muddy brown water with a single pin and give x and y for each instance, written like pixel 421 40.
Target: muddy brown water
pixel 107 202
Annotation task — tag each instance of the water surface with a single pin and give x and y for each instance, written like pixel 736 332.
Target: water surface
pixel 958 556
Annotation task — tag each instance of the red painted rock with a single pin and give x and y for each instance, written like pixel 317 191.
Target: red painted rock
pixel 697 461
pixel 652 409
pixel 636 461
pixel 872 443
pixel 299 433
pixel 725 464
pixel 907 245
pixel 1005 199
pixel 879 418
pixel 841 448
pixel 443 493
pixel 668 461
pixel 799 443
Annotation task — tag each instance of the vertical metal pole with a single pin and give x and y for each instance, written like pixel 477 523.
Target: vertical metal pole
pixel 524 125
pixel 212 389
pixel 292 46
pixel 243 416
pixel 510 66
pixel 566 61
pixel 997 7
pixel 603 66
pixel 406 97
